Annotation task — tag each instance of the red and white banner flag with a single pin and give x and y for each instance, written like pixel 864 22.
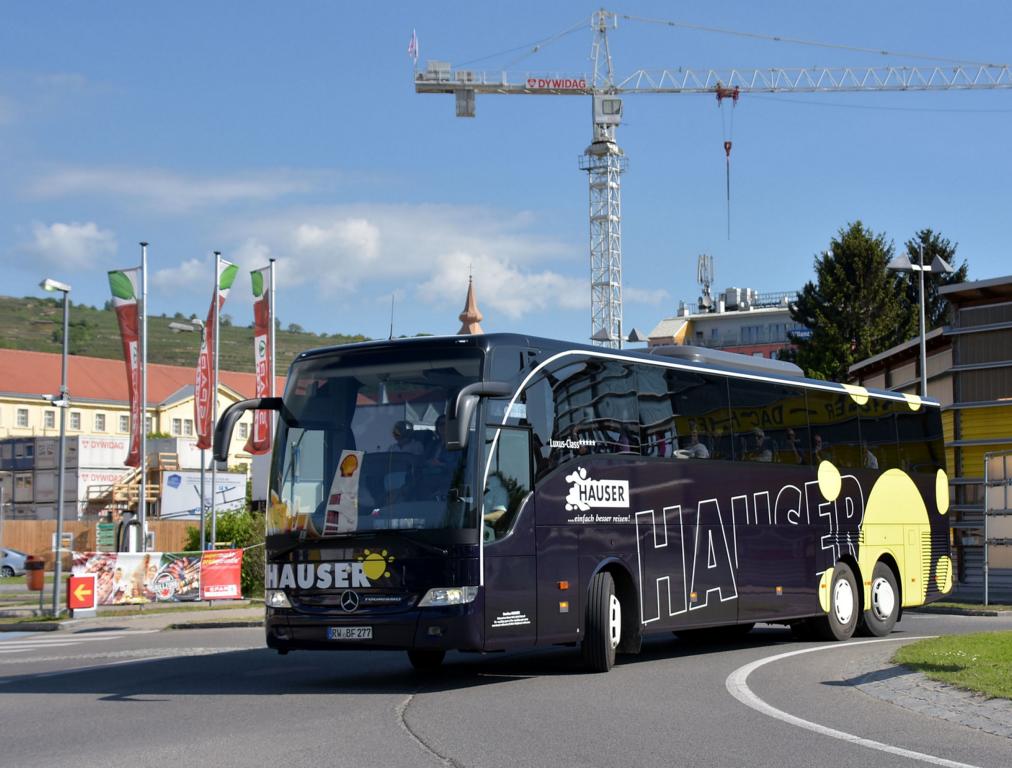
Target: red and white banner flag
pixel 413 47
pixel 203 404
pixel 123 283
pixel 263 321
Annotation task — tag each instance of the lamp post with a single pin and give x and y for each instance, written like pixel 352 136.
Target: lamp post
pixel 62 402
pixel 196 324
pixel 902 263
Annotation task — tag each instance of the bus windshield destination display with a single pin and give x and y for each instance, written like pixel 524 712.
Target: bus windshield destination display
pixel 499 492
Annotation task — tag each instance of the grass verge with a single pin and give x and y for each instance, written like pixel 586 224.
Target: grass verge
pixel 980 662
pixel 969 606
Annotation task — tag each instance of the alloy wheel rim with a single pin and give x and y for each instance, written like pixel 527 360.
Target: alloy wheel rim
pixel 883 599
pixel 843 601
pixel 614 621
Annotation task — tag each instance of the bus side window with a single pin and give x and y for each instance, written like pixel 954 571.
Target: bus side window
pixel 541 417
pixel 836 434
pixel 508 482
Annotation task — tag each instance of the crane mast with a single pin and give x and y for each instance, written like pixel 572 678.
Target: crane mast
pixel 605 162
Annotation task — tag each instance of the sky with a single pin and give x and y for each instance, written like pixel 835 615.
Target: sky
pixel 292 130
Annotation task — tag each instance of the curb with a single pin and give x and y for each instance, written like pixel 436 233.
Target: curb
pixel 216 624
pixel 31 626
pixel 957 611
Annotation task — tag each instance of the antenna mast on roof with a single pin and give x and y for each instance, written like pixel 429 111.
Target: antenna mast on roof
pixel 704 276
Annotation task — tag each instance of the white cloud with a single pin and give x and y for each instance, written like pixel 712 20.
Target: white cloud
pixel 197 274
pixel 167 191
pixel 74 245
pixel 426 251
pixel 644 295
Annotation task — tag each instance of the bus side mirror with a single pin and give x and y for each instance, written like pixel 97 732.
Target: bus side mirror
pixel 226 422
pixel 467 401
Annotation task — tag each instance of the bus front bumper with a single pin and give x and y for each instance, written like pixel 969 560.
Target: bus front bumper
pixel 456 627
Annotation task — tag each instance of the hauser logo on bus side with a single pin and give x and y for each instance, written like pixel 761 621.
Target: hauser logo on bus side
pixel 585 493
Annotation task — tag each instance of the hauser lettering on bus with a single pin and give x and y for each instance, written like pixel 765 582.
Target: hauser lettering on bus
pixel 316 575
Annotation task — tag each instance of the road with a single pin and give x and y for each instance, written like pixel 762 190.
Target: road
pixel 126 697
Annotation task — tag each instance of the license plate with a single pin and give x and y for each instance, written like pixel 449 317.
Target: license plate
pixel 349 633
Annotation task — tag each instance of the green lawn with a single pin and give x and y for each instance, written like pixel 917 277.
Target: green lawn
pixel 980 662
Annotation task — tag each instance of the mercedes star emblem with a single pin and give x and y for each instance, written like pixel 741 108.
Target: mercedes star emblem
pixel 349 600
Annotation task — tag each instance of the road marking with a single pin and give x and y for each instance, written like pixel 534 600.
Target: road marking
pixel 22 644
pixel 737 686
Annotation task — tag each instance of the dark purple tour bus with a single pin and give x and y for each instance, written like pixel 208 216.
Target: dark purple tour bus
pixel 496 492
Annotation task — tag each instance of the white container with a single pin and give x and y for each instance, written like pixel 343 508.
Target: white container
pixel 6 487
pixel 89 451
pixel 91 482
pixel 45 485
pixel 48 511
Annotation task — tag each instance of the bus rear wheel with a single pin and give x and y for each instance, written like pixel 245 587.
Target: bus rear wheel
pixel 426 659
pixel 603 625
pixel 844 606
pixel 884 606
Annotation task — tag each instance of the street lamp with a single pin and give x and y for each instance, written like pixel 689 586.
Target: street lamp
pixel 196 324
pixel 902 263
pixel 64 400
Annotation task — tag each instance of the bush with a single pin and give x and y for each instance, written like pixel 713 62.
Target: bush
pixel 243 529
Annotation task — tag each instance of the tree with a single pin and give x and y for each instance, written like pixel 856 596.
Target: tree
pixel 936 308
pixel 295 328
pixel 855 309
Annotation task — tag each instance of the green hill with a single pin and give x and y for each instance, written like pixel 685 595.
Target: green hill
pixel 36 324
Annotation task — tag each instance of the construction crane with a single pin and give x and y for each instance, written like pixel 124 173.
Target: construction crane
pixel 603 159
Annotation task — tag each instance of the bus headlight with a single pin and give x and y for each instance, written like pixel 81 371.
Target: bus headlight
pixel 276 598
pixel 448 596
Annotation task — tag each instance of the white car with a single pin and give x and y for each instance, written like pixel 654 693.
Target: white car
pixel 12 562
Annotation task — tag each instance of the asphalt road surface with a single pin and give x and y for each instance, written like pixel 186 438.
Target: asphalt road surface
pixel 123 697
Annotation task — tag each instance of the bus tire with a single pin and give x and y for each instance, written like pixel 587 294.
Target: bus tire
pixel 426 659
pixel 844 607
pixel 884 607
pixel 603 630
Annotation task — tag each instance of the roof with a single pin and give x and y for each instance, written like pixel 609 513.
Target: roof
pixel 900 350
pixel 997 288
pixel 104 379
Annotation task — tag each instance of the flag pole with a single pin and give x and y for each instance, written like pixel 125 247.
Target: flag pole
pixel 214 400
pixel 142 501
pixel 274 313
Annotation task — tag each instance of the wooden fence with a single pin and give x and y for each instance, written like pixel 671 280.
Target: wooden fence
pixel 36 536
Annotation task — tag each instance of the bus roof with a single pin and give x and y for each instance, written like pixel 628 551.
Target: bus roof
pixel 688 358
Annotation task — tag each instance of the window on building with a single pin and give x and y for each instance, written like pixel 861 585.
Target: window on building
pixel 188 427
pixel 124 423
pixel 100 422
pixel 22 417
pixel 177 427
pixel 244 431
pixel 147 425
pixel 49 419
pixel 75 420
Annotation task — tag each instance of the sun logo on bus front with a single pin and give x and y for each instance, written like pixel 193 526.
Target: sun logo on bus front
pixel 375 564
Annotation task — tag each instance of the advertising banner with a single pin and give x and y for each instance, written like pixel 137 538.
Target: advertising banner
pixel 123 283
pixel 180 499
pixel 124 578
pixel 263 320
pixel 202 402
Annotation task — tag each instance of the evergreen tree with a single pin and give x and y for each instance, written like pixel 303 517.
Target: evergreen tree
pixel 936 308
pixel 854 309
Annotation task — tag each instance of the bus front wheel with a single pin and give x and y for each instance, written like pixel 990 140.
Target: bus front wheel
pixel 426 659
pixel 844 606
pixel 603 625
pixel 884 607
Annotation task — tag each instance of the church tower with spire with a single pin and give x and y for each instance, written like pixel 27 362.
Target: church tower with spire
pixel 471 317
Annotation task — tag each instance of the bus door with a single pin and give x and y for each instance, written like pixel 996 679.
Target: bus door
pixel 508 540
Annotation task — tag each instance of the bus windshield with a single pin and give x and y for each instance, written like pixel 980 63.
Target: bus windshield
pixel 361 444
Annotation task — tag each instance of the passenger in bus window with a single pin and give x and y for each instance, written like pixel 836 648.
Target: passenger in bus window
pixel 792 454
pixel 694 447
pixel 495 505
pixel 820 449
pixel 761 447
pixel 439 454
pixel 405 440
pixel 868 461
